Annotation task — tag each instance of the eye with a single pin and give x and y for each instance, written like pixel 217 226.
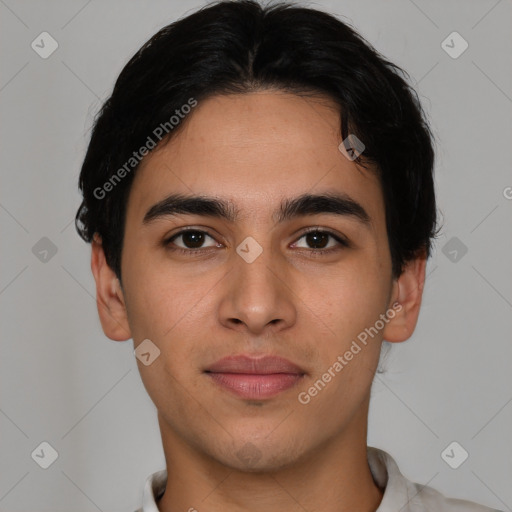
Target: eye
pixel 318 240
pixel 190 240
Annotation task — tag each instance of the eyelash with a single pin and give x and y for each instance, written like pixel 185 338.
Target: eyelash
pixel 343 243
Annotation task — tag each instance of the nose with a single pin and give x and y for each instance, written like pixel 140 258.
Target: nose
pixel 257 296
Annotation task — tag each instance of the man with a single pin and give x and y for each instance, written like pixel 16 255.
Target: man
pixel 258 192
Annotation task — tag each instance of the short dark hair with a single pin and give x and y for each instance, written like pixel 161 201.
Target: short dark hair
pixel 238 47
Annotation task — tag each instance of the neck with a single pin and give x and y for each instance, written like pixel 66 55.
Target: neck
pixel 334 477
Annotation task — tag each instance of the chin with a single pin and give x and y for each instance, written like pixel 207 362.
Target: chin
pixel 261 456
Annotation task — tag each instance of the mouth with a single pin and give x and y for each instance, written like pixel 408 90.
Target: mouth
pixel 255 378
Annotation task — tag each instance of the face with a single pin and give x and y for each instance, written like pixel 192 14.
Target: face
pixel 270 276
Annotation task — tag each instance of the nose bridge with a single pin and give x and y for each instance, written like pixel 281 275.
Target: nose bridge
pixel 256 293
pixel 257 274
pixel 255 269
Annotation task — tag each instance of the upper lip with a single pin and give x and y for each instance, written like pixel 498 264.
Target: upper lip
pixel 251 365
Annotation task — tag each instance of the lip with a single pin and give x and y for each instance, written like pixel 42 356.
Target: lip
pixel 265 365
pixel 255 378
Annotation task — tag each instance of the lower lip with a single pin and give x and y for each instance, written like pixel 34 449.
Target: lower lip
pixel 255 387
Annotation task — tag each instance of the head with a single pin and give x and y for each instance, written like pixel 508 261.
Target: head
pixel 230 124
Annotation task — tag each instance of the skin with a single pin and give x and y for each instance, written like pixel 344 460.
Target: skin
pixel 255 150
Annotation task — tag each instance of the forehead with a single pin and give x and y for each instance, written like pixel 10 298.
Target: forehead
pixel 255 149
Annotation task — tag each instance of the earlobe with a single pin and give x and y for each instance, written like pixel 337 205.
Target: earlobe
pixel 407 295
pixel 109 295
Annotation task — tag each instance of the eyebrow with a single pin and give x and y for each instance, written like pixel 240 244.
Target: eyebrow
pixel 306 204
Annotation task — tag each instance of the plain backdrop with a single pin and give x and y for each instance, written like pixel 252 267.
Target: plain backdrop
pixel 63 382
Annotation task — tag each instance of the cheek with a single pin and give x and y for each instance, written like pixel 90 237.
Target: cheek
pixel 348 299
pixel 349 350
pixel 156 298
pixel 162 309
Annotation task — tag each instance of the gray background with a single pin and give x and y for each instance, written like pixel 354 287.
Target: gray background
pixel 62 381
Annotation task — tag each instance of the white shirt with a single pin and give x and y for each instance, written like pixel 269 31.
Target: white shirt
pixel 400 494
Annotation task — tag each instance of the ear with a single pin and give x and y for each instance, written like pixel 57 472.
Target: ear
pixel 406 300
pixel 109 295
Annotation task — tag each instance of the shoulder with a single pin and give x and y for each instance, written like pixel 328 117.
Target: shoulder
pixel 407 496
pixel 427 498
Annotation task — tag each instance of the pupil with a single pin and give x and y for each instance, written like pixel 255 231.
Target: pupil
pixel 193 240
pixel 316 238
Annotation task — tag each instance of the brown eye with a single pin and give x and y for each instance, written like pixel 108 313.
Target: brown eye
pixel 191 239
pixel 322 241
pixel 317 239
